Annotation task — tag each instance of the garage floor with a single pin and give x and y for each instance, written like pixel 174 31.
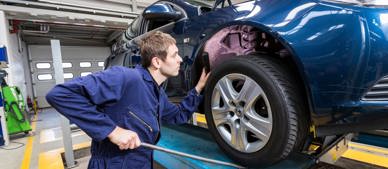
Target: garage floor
pixel 28 151
pixel 43 148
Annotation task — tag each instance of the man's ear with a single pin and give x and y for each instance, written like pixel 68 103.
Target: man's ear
pixel 155 62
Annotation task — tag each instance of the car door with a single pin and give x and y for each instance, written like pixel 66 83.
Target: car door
pixel 156 17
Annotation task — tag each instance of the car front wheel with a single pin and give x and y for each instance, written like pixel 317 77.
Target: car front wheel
pixel 254 110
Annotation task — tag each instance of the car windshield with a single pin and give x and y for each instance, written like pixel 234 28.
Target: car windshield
pixel 225 3
pixel 204 3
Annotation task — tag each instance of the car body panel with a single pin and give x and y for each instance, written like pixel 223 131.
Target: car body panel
pixel 342 58
pixel 340 50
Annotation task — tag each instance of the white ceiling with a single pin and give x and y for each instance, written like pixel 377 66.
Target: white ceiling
pixel 74 22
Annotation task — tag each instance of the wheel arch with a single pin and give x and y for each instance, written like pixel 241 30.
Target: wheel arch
pixel 290 57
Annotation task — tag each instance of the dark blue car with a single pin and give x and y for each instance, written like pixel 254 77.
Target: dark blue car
pixel 285 73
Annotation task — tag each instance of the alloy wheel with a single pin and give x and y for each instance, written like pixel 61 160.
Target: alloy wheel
pixel 241 113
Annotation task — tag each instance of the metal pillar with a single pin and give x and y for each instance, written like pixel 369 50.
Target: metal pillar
pixel 65 124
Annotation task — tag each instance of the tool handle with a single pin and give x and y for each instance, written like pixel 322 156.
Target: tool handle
pixel 189 155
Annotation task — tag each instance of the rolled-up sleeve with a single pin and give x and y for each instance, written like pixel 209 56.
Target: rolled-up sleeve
pixel 182 112
pixel 78 100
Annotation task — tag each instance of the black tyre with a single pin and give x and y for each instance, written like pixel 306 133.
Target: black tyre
pixel 254 110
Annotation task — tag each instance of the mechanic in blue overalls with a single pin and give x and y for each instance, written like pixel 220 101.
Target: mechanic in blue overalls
pixel 121 107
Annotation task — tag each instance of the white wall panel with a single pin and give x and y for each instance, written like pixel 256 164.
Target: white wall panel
pixel 17 59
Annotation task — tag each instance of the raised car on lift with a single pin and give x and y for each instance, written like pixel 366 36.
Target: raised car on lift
pixel 284 73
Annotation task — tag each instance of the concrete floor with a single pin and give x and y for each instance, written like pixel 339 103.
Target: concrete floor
pixel 47 136
pixel 24 151
pixel 11 154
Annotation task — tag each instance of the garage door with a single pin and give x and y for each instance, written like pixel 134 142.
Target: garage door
pixel 77 61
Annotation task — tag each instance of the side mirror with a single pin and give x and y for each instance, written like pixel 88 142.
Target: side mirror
pixel 161 12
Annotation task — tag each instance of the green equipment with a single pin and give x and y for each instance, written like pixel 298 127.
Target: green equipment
pixel 14 107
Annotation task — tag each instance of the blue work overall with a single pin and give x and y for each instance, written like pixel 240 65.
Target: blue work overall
pixel 124 97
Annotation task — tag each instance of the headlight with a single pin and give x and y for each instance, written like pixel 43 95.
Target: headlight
pixel 362 2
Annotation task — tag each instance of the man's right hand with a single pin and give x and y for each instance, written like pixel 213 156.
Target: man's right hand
pixel 125 139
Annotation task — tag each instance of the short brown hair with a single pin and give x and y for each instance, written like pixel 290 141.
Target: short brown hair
pixel 155 44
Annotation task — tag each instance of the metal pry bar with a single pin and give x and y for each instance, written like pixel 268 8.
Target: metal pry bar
pixel 190 155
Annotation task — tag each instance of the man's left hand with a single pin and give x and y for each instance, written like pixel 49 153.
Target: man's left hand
pixel 202 81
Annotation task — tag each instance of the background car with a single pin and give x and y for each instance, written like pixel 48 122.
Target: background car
pixel 285 74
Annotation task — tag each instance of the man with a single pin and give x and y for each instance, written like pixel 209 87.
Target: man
pixel 121 107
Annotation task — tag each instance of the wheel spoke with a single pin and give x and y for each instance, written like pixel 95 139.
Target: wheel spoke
pixel 259 126
pixel 220 116
pixel 244 141
pixel 224 86
pixel 238 138
pixel 249 92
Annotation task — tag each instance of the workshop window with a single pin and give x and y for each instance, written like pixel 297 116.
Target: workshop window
pixel 85 64
pixel 101 64
pixel 43 65
pixel 45 77
pixel 67 65
pixel 67 75
pixel 85 73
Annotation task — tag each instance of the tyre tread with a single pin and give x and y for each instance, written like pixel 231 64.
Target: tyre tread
pixel 278 72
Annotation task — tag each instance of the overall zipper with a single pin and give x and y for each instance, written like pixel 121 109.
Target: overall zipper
pixel 141 120
pixel 157 119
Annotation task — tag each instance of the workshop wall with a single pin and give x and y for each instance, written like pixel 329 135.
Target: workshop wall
pixel 17 59
pixel 16 50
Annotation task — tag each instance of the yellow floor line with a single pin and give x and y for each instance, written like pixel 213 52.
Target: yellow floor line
pixel 27 153
pixel 201 118
pixel 52 159
pixel 367 154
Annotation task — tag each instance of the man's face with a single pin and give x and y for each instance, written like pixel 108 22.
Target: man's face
pixel 170 66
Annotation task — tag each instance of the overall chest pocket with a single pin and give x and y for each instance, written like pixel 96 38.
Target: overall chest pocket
pixel 144 123
pixel 139 119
